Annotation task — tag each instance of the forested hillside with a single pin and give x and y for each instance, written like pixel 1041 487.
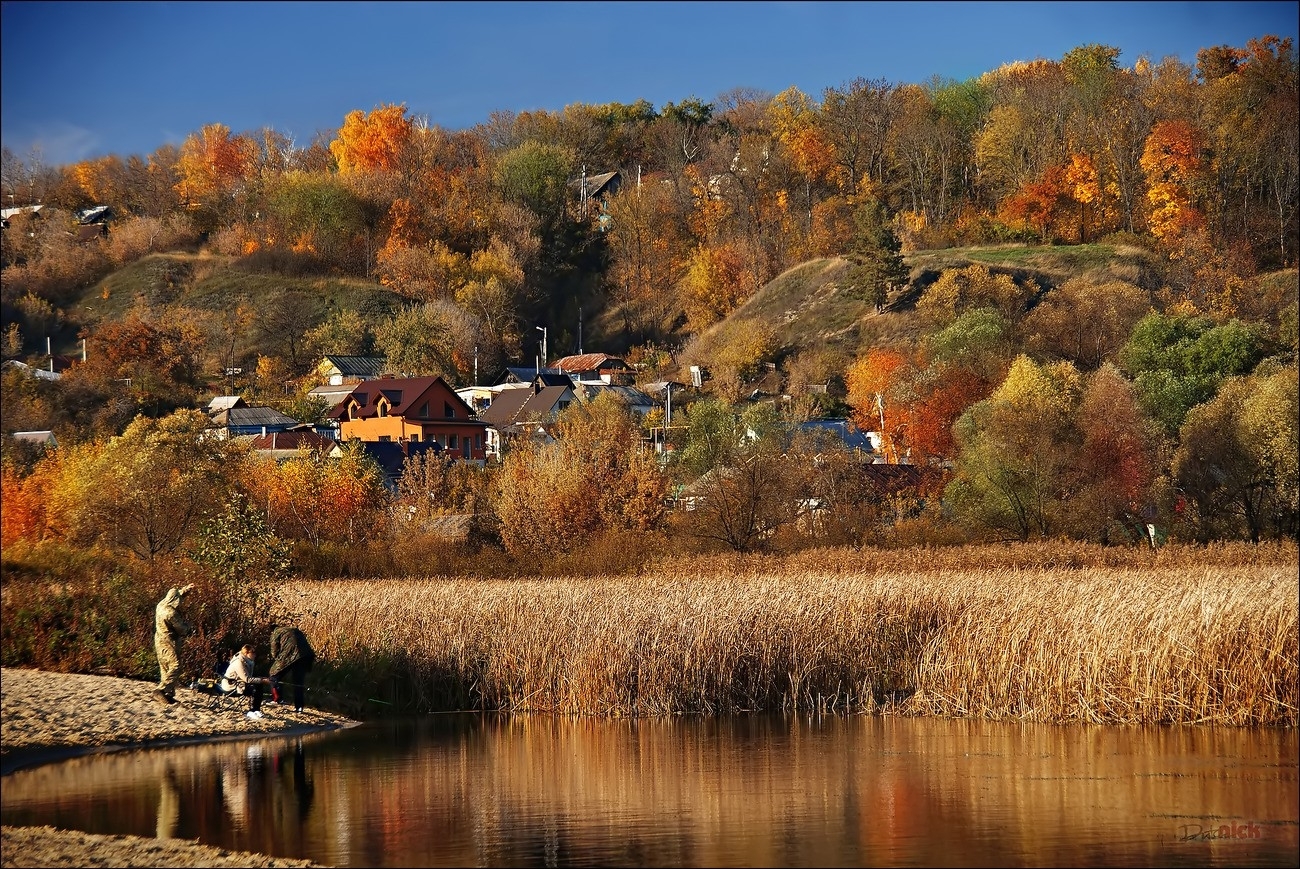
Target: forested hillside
pixel 1068 286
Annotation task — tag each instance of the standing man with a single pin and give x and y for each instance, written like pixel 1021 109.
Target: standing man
pixel 291 660
pixel 170 628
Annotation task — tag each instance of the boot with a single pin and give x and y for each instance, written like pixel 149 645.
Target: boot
pixel 159 696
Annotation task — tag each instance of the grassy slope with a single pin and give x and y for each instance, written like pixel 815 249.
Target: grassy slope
pixel 173 284
pixel 806 308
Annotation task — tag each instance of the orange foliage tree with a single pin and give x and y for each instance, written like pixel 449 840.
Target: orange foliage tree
pixel 25 498
pixel 1172 163
pixel 1038 203
pixel 876 384
pixel 211 162
pixel 320 499
pixel 372 142
pixel 941 397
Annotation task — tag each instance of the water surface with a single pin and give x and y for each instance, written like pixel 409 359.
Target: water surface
pixel 467 790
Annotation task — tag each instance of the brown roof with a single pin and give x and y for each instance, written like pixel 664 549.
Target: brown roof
pixel 588 362
pixel 514 406
pixel 291 440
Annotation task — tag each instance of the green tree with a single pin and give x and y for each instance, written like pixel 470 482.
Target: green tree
pixel 876 254
pixel 1017 448
pixel 1178 361
pixel 317 214
pixel 430 340
pixel 979 341
pixel 712 437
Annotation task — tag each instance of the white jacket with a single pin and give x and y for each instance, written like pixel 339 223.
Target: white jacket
pixel 238 674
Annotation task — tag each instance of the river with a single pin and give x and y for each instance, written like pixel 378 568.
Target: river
pixel 485 790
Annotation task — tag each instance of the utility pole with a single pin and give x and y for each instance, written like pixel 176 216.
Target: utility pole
pixel 545 359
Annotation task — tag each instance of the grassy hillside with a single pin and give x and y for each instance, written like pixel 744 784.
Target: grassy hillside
pixel 803 310
pixel 807 310
pixel 218 290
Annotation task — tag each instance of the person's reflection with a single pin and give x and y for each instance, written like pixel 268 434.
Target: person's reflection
pixel 303 787
pixel 169 806
pixel 234 790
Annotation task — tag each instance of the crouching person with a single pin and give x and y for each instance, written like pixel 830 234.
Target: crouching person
pixel 239 678
pixel 291 660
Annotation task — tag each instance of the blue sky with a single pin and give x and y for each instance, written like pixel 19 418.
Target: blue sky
pixel 81 80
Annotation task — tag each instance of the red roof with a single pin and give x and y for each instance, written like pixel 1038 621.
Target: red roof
pixel 404 394
pixel 291 440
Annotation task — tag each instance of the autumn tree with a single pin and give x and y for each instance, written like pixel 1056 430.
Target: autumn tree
pixel 1172 161
pixel 431 486
pixel 147 490
pixel 649 250
pixel 155 363
pixel 593 479
pixel 318 498
pixel 371 141
pixel 877 385
pixel 716 282
pixel 976 286
pixel 1236 459
pixel 1117 461
pixel 212 165
pixel 1086 321
pixel 1015 451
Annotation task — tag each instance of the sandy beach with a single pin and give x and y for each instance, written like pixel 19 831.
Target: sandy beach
pixel 46 717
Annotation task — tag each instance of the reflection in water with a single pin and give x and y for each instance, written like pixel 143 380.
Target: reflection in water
pixel 746 791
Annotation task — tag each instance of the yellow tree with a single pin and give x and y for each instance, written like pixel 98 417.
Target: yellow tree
pixel 960 290
pixel 147 490
pixel 715 284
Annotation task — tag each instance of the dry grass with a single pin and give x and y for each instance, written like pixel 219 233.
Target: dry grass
pixel 1055 632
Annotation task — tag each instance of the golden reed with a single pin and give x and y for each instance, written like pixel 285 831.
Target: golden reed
pixel 1040 632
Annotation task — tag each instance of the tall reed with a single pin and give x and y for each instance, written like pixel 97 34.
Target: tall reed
pixel 1046 635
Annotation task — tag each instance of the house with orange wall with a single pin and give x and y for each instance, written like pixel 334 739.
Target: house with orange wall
pixel 412 410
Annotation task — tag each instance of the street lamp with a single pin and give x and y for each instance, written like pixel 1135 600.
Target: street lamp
pixel 542 329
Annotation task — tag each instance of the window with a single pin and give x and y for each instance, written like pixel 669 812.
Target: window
pixel 385 438
pixel 452 442
pixel 381 407
pixel 478 441
pixel 447 411
pixel 424 410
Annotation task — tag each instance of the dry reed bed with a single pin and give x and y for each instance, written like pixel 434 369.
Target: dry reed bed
pixel 1144 643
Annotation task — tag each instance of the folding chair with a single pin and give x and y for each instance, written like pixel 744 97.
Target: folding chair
pixel 219 699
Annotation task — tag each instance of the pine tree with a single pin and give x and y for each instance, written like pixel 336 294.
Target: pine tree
pixel 878 266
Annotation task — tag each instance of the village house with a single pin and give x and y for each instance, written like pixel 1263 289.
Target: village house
pixel 411 410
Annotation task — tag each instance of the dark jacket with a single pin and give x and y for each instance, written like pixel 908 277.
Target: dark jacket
pixel 288 647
